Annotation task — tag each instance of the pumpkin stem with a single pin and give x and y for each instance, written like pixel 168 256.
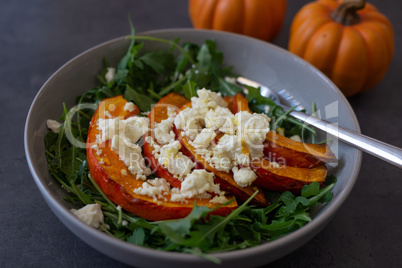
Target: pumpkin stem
pixel 346 13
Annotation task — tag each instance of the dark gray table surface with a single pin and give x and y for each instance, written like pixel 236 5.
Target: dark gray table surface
pixel 38 36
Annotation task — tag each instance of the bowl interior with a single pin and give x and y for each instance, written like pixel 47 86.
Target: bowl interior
pixel 254 59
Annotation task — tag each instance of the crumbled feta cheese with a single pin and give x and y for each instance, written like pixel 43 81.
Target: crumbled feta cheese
pixel 154 188
pixel 244 133
pixel 124 133
pixel 191 120
pixel 220 119
pixel 110 74
pixel 133 128
pixel 108 114
pixel 244 177
pixel 252 130
pixel 225 152
pixel 219 199
pixel 95 147
pixel 129 107
pixel 53 125
pixel 204 139
pixel 163 131
pixel 176 162
pixel 130 154
pixel 198 184
pixel 207 100
pixel 91 214
pixel 296 138
pixel 123 172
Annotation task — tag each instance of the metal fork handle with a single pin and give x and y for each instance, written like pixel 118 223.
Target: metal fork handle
pixel 382 150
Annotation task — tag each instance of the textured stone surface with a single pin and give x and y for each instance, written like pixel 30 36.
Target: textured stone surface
pixel 38 36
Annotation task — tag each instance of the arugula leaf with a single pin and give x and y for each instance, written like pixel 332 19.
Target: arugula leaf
pixel 143 101
pixel 189 89
pixel 138 237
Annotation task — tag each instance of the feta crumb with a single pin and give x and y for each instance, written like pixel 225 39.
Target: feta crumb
pixel 130 154
pixel 219 199
pixel 244 177
pixel 124 133
pixel 176 162
pixel 133 128
pixel 163 131
pixel 123 172
pixel 198 184
pixel 108 114
pixel 207 100
pixel 53 125
pixel 110 74
pixel 220 119
pixel 204 139
pixel 96 148
pixel 129 107
pixel 191 120
pixel 91 214
pixel 296 138
pixel 153 188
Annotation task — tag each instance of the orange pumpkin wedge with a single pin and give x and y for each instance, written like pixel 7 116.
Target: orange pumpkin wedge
pixel 224 179
pixel 159 113
pixel 107 170
pixel 288 151
pixel 275 177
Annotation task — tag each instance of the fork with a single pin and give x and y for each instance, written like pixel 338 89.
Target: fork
pixel 382 150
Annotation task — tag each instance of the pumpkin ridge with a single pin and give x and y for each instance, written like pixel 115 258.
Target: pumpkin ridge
pixel 329 66
pixel 383 68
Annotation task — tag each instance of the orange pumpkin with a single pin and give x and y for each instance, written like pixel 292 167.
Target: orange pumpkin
pixel 257 18
pixel 349 41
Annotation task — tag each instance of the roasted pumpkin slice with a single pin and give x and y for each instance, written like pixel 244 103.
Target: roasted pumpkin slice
pixel 288 151
pixel 224 179
pixel 118 184
pixel 275 177
pixel 159 113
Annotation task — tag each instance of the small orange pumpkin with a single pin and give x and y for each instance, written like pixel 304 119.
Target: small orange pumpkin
pixel 257 18
pixel 349 41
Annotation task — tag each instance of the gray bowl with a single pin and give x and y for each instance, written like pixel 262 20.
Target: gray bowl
pixel 252 58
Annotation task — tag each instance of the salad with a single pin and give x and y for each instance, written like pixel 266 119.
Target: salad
pixel 167 153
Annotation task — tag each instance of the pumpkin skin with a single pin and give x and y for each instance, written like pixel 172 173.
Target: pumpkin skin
pixel 354 51
pixel 256 18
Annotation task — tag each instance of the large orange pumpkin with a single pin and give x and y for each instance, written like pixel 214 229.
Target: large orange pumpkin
pixel 350 41
pixel 257 18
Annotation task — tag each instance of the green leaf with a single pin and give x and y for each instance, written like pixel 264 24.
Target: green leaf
pixel 157 60
pixel 228 89
pixel 204 59
pixel 310 190
pixel 176 230
pixel 143 101
pixel 138 237
pixel 189 89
